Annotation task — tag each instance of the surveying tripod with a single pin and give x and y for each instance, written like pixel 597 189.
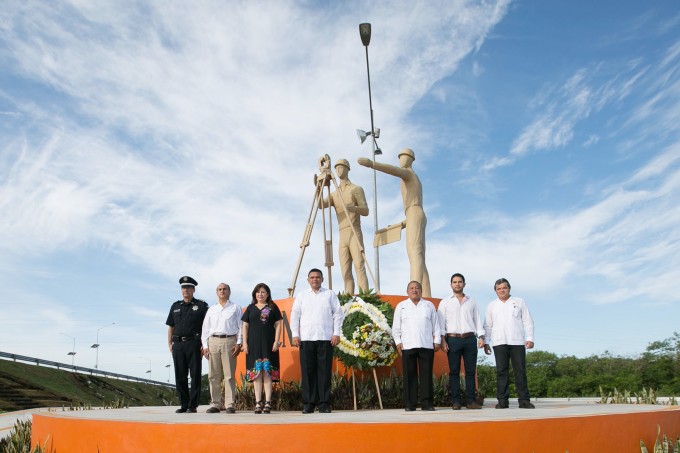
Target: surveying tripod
pixel 321 181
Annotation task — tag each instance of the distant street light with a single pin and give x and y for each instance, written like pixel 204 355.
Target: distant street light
pixel 149 370
pixel 168 367
pixel 73 351
pixel 96 345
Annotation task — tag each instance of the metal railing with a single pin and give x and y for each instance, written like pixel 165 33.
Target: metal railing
pixel 78 369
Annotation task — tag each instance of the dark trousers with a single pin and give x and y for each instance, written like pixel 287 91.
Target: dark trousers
pixel 186 356
pixel 467 349
pixel 316 360
pixel 505 353
pixel 417 362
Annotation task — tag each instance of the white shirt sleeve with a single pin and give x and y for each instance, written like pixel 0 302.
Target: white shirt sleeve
pixel 396 324
pixel 488 324
pixel 528 323
pixel 239 335
pixel 338 315
pixel 436 326
pixel 295 314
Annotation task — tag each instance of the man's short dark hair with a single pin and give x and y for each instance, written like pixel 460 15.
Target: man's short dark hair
pixel 500 281
pixel 314 270
pixel 457 275
pixel 416 282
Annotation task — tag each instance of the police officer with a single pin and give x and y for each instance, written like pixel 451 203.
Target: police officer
pixel 184 340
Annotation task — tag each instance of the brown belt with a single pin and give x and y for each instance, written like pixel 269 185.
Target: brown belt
pixel 460 335
pixel 223 336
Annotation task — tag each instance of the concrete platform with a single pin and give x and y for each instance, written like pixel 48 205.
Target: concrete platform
pixel 556 425
pixel 8 419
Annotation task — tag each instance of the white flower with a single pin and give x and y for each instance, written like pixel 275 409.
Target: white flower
pixel 371 341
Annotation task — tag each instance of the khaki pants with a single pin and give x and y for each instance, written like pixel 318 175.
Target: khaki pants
pixel 222 366
pixel 415 247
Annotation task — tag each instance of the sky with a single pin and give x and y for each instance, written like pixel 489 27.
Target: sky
pixel 144 141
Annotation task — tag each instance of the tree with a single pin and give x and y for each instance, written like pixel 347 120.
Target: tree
pixel 540 371
pixel 661 365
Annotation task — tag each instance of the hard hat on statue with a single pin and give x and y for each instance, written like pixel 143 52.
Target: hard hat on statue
pixel 408 152
pixel 343 162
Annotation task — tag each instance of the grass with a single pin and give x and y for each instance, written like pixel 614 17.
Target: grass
pixel 51 387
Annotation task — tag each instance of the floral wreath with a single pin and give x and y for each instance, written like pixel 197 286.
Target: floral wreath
pixel 366 336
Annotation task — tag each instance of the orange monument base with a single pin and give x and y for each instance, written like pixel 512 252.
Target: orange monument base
pixel 554 426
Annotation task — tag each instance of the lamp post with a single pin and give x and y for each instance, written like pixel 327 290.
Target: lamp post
pixel 73 351
pixel 168 367
pixel 149 370
pixel 365 34
pixel 96 345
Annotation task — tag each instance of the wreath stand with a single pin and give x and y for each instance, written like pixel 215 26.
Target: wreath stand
pixel 377 388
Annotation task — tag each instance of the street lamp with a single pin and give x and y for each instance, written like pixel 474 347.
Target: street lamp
pixel 73 351
pixel 96 345
pixel 149 370
pixel 365 34
pixel 168 367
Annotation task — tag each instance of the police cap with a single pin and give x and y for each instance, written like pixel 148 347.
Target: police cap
pixel 187 281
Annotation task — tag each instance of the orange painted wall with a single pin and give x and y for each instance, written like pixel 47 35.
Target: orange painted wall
pixel 615 433
pixel 290 358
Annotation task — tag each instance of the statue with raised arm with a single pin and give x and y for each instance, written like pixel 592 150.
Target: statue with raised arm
pixel 412 194
pixel 351 247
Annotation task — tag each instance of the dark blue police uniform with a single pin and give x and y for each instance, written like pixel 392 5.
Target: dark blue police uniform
pixel 186 319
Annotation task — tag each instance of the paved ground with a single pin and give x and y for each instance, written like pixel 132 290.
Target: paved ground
pixel 545 408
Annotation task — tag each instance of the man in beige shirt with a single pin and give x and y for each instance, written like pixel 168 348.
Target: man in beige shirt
pixel 221 339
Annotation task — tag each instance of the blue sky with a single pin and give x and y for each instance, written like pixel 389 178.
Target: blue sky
pixel 142 143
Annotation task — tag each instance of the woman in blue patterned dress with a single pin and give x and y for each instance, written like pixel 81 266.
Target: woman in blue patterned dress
pixel 261 333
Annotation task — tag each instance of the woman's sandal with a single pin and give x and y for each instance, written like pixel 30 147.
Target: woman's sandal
pixel 267 407
pixel 258 407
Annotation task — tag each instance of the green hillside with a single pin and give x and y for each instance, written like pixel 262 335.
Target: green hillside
pixel 24 386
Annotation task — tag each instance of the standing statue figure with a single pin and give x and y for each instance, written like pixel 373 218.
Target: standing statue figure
pixel 351 247
pixel 412 194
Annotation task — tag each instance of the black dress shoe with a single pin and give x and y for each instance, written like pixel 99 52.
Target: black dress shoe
pixel 181 410
pixel 213 410
pixel 524 404
pixel 325 410
pixel 410 409
pixel 308 410
pixel 456 406
pixel 502 405
pixel 427 408
pixel 231 410
pixel 191 410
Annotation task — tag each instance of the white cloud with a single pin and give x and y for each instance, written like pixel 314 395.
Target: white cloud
pixel 176 138
pixel 183 138
pixel 620 239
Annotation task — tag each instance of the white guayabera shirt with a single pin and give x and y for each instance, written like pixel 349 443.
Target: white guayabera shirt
pixel 416 325
pixel 508 322
pixel 316 316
